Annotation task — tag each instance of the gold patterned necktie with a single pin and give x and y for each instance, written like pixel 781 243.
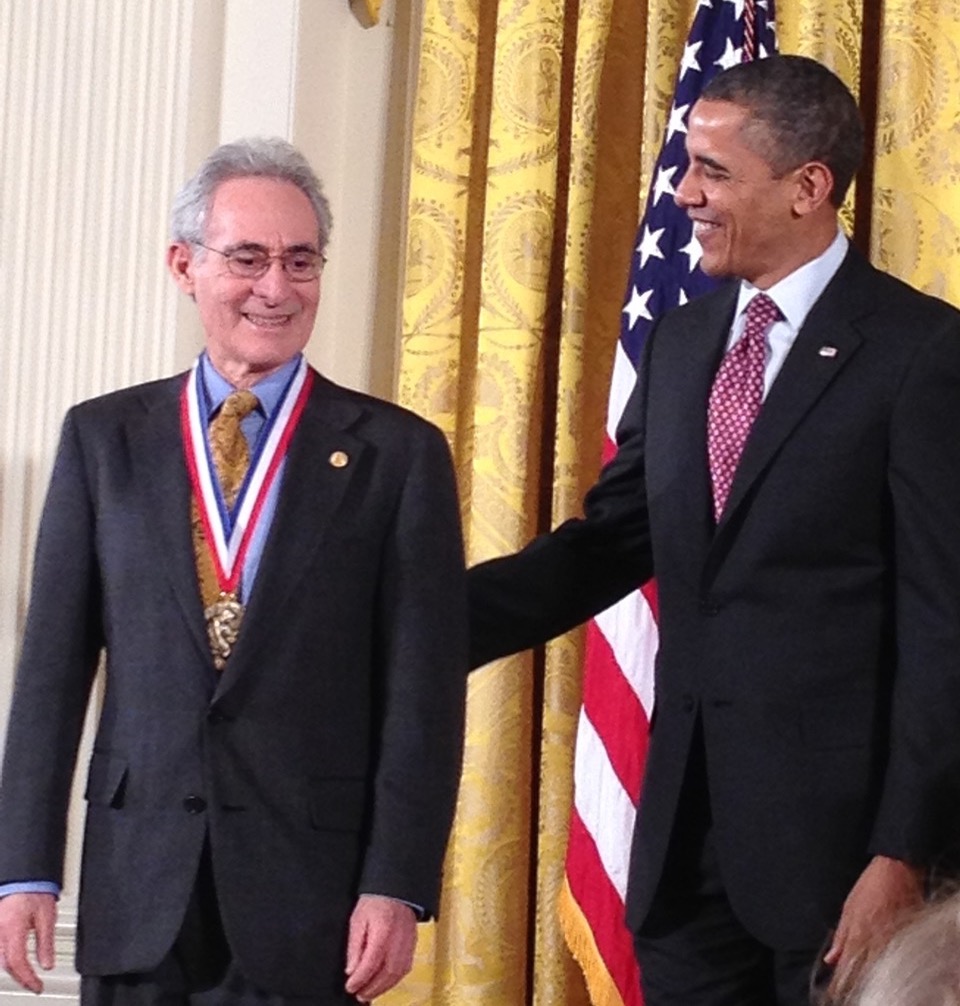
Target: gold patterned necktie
pixel 222 610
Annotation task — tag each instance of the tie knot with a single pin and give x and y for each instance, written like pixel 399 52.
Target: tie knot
pixel 238 405
pixel 761 313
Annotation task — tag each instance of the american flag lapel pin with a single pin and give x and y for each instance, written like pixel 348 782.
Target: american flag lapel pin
pixel 828 351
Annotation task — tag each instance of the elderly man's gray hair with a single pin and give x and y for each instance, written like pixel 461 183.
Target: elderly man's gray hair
pixel 256 157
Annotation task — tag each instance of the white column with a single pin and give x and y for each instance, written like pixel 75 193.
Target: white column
pixel 96 125
pixel 92 115
pixel 259 68
pixel 106 106
pixel 351 119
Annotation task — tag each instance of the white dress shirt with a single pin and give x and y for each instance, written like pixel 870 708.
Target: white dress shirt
pixel 794 295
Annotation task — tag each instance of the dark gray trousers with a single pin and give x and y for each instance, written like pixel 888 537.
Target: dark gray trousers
pixel 692 949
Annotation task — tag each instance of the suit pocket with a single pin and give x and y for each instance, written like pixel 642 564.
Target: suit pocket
pixel 106 780
pixel 337 804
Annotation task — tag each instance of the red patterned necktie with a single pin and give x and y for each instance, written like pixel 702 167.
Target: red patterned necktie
pixel 736 396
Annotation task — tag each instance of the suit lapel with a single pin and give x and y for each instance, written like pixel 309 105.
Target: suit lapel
pixel 158 460
pixel 682 368
pixel 824 346
pixel 315 480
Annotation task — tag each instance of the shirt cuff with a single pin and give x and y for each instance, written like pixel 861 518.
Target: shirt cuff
pixel 418 910
pixel 30 887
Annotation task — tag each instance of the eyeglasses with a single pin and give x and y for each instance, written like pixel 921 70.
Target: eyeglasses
pixel 251 262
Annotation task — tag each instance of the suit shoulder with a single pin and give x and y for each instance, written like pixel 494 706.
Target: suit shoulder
pixel 924 307
pixel 114 404
pixel 892 303
pixel 111 412
pixel 376 417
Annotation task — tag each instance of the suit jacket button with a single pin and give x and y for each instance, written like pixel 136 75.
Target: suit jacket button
pixel 194 804
pixel 709 608
pixel 688 703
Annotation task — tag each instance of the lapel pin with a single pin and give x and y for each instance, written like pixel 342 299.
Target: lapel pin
pixel 828 351
pixel 339 459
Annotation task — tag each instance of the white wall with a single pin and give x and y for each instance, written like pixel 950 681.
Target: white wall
pixel 105 107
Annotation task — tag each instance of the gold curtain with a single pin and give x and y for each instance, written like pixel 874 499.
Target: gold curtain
pixel 536 126
pixel 916 195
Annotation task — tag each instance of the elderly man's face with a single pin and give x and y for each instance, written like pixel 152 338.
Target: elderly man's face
pixel 252 326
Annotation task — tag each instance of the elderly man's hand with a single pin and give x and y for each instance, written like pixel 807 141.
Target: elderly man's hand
pixel 380 945
pixel 20 915
pixel 884 893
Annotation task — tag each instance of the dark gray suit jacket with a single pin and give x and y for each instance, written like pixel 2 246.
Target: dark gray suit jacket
pixel 816 630
pixel 323 762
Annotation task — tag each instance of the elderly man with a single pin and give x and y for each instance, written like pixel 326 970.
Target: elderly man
pixel 272 567
pixel 789 468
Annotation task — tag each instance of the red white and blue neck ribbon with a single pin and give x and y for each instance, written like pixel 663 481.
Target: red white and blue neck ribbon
pixel 228 532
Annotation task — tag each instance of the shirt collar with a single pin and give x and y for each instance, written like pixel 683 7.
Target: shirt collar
pixel 797 293
pixel 269 390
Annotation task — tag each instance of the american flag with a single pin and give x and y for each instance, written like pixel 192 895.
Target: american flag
pixel 622 641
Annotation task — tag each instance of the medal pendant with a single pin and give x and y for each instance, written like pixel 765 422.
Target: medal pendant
pixel 223 626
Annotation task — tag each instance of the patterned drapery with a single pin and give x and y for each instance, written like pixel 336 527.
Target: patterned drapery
pixel 534 133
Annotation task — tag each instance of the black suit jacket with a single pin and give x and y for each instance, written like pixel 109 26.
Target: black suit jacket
pixel 321 763
pixel 816 630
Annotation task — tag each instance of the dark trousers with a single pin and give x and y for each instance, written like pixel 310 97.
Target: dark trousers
pixel 199 970
pixel 692 949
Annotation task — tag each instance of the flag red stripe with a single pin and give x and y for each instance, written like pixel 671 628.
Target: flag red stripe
pixel 600 903
pixel 615 711
pixel 649 591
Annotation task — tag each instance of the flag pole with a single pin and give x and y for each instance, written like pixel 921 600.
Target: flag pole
pixel 749 31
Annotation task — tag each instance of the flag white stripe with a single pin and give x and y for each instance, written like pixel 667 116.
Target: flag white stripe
pixel 601 799
pixel 631 632
pixel 621 385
